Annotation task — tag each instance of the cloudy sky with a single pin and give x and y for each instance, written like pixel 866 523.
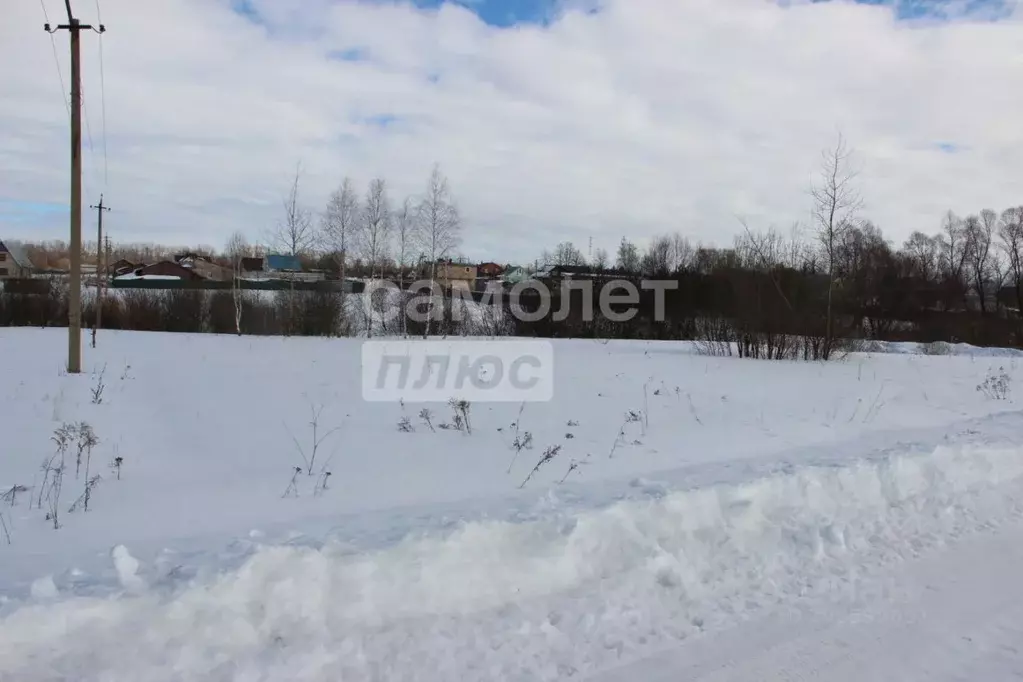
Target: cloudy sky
pixel 553 119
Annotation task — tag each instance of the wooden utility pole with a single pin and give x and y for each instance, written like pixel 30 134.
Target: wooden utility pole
pixel 100 267
pixel 74 27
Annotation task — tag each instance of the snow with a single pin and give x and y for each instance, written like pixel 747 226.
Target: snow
pixel 127 568
pixel 766 513
pixel 44 588
pixel 133 276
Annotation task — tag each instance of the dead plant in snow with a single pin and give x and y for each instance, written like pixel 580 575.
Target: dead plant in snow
pixel 573 466
pixel 83 499
pixel 427 418
pixel 321 484
pixel 117 461
pixel 631 417
pixel 522 441
pixel 86 441
pixel 316 438
pixel 549 454
pixel 62 438
pixel 97 390
pixel 10 496
pixel 461 416
pixel 292 489
pixel 996 386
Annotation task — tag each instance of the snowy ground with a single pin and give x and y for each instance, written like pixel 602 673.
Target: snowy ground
pixel 855 520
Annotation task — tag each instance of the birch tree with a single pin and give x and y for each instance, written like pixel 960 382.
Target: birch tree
pixel 439 227
pixel 375 228
pixel 237 248
pixel 374 232
pixel 295 234
pixel 340 223
pixel 404 227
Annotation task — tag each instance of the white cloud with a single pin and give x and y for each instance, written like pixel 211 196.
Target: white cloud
pixel 650 116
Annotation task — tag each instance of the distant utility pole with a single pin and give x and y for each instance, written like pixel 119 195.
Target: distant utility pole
pixel 74 27
pixel 100 274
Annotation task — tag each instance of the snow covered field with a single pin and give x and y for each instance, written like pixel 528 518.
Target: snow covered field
pixel 765 520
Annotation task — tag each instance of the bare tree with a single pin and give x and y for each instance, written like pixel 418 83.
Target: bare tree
pixel 438 225
pixel 1010 231
pixel 922 252
pixel 668 255
pixel 295 234
pixel 404 224
pixel 375 224
pixel 954 250
pixel 659 260
pixel 952 243
pixel 835 204
pixel 374 232
pixel 339 224
pixel 682 253
pixel 236 249
pixel 978 232
pixel 566 253
pixel 628 257
pixel 601 260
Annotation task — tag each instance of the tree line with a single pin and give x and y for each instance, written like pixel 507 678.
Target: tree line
pixel 815 288
pixel 804 292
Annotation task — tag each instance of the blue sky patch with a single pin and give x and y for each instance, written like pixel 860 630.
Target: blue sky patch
pixel 506 13
pixel 943 9
pixel 382 120
pixel 353 54
pixel 502 13
pixel 14 206
pixel 247 9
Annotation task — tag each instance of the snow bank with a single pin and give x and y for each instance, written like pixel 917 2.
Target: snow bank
pixel 535 601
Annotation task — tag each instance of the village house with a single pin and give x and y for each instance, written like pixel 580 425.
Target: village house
pixel 450 274
pixel 120 267
pixel 14 261
pixel 489 270
pixel 204 268
pixel 514 275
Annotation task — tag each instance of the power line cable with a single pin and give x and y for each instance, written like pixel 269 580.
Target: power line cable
pixel 56 60
pixel 103 97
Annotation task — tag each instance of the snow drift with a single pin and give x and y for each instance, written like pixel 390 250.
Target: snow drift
pixel 542 600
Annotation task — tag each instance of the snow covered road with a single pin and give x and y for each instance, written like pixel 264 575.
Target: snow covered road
pixel 955 614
